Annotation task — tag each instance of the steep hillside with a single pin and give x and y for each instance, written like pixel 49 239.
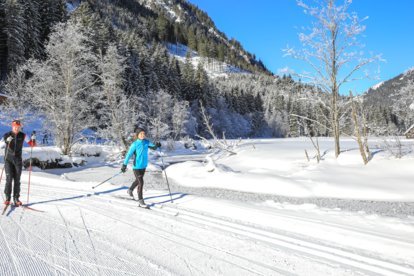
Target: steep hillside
pixel 175 22
pixel 390 104
pixel 387 92
pixel 201 34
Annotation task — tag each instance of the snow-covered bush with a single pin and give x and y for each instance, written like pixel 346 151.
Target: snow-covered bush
pixel 86 150
pixel 48 158
pixel 395 147
pixel 189 143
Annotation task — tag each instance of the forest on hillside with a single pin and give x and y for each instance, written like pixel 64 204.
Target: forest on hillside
pixel 105 66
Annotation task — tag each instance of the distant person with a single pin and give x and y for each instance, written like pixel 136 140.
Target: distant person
pixel 13 162
pixel 139 148
pixel 45 140
pixel 32 141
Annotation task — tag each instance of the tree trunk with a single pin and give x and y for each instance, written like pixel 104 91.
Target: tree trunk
pixel 334 88
pixel 335 123
pixel 357 132
pixel 365 134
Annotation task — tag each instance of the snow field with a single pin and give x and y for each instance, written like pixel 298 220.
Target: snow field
pixel 85 231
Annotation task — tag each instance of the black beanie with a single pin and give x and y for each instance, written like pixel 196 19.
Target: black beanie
pixel 139 129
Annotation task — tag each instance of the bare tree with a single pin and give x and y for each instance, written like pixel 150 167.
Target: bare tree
pixel 332 50
pixel 394 146
pixel 222 144
pixel 61 86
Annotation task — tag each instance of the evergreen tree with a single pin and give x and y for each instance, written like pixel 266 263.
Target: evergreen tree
pixel 33 30
pixel 187 85
pixel 16 32
pixel 160 62
pixel 134 79
pixel 202 90
pixel 174 77
pixel 191 38
pixel 117 113
pixel 220 52
pixel 3 42
pixel 52 12
pixel 163 28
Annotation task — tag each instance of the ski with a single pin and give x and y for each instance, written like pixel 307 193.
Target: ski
pixel 155 208
pixel 32 209
pixel 5 209
pixel 133 199
pixel 144 207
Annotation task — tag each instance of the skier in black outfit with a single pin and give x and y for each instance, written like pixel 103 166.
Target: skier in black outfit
pixel 13 163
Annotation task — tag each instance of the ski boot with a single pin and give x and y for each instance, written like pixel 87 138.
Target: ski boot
pixel 17 202
pixel 130 193
pixel 7 201
pixel 142 204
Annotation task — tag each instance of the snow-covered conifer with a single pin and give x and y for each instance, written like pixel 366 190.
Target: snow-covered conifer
pixel 117 112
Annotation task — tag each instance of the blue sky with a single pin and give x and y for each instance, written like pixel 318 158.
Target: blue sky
pixel 265 27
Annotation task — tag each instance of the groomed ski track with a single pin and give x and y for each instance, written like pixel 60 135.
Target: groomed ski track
pixel 87 232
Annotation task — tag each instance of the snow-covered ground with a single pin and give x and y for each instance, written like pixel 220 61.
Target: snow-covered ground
pixel 221 228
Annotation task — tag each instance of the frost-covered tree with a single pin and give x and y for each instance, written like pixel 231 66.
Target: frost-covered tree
pixel 62 86
pixel 159 114
pixel 16 106
pixel 404 105
pixel 179 118
pixel 332 49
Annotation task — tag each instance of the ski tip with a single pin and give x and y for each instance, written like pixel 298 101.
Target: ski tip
pixel 5 209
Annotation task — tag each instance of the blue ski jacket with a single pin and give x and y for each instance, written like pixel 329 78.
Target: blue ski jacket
pixel 140 149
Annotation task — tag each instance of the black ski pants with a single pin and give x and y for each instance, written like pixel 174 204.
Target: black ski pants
pixel 139 182
pixel 13 168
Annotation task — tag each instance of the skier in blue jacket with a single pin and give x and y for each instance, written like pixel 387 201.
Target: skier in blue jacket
pixel 140 148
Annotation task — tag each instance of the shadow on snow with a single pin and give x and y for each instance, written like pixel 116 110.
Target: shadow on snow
pixel 175 196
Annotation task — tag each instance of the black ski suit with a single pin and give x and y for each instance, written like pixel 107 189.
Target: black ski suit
pixel 13 163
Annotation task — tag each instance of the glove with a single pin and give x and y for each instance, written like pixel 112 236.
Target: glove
pixel 123 168
pixel 9 139
pixel 158 144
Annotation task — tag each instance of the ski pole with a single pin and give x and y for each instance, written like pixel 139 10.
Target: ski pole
pixel 165 173
pixel 30 172
pixel 107 180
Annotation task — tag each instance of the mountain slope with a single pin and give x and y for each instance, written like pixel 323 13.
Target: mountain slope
pixel 386 92
pixel 391 104
pixel 178 22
